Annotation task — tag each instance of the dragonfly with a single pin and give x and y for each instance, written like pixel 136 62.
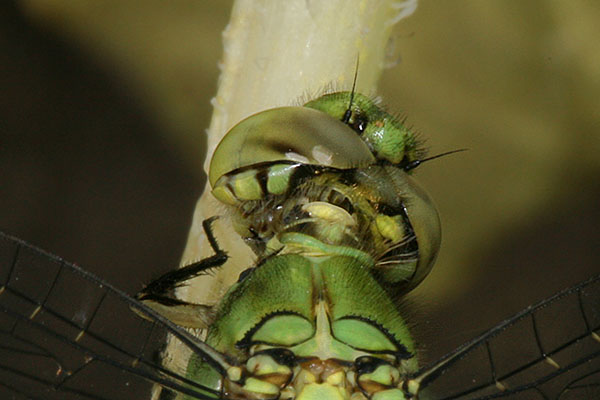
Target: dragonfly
pixel 323 195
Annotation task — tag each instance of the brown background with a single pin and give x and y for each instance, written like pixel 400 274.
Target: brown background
pixel 104 107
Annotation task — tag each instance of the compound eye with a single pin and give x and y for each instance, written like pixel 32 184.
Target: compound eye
pixel 289 135
pixel 411 223
pixel 425 222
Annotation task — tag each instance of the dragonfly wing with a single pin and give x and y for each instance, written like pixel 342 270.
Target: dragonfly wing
pixel 550 350
pixel 66 334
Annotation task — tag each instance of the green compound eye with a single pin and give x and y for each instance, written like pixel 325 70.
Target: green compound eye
pixel 424 221
pixel 291 135
pixel 386 137
pixel 259 155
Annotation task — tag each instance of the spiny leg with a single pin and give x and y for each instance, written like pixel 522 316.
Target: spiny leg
pixel 156 294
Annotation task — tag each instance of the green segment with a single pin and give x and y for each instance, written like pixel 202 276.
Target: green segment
pixel 284 330
pixel 383 374
pixel 313 246
pixel 362 335
pixel 246 186
pixel 279 178
pixel 354 292
pixel 282 283
pixel 385 135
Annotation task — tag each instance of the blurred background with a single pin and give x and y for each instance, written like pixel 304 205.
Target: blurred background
pixel 104 108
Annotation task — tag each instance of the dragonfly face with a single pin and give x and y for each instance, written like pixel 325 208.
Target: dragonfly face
pixel 298 170
pixel 323 196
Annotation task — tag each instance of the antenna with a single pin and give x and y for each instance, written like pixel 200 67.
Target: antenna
pixel 348 113
pixel 416 163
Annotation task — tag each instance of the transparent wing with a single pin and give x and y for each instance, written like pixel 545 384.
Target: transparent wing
pixel 65 334
pixel 550 350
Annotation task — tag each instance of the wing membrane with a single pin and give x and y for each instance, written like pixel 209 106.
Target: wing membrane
pixel 65 334
pixel 550 350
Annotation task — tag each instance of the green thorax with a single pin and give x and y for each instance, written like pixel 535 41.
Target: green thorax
pixel 298 287
pixel 326 313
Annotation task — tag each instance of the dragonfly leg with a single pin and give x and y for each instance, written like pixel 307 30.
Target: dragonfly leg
pixel 158 293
